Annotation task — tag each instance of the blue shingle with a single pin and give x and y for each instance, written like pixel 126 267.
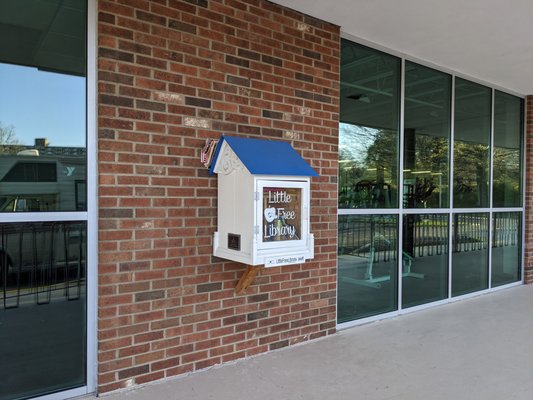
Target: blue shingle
pixel 266 157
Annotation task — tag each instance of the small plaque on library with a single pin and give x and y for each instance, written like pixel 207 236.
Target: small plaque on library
pixel 284 260
pixel 234 241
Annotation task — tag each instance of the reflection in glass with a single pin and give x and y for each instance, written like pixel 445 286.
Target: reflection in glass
pixel 48 180
pixel 426 137
pixel 42 168
pixel 506 248
pixel 42 307
pixel 470 253
pixel 368 134
pixel 507 163
pixel 42 108
pixel 368 263
pixel 424 259
pixel 471 144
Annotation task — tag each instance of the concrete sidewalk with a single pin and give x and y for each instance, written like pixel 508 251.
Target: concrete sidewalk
pixel 479 348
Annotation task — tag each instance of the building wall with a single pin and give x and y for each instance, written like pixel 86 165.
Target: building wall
pixel 528 240
pixel 170 75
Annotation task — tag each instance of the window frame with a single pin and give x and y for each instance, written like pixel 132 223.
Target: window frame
pixel 450 210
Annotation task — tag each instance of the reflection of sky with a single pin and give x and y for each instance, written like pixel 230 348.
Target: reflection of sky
pixel 354 141
pixel 43 105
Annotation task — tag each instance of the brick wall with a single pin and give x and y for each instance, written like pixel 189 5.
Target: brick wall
pixel 171 74
pixel 528 242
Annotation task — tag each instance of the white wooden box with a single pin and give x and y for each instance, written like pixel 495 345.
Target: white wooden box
pixel 263 203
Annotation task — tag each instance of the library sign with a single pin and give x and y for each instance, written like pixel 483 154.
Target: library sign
pixel 282 214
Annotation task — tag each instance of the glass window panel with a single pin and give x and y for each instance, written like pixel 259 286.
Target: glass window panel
pixel 368 265
pixel 42 107
pixel 369 123
pixel 42 307
pixel 426 137
pixel 506 248
pixel 470 253
pixel 424 259
pixel 507 163
pixel 471 144
pixel 42 168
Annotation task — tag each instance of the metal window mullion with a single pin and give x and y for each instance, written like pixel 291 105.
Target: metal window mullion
pixel 450 186
pixel 523 191
pixel 367 211
pixel 490 185
pixel 401 135
pixel 491 151
pixel 489 244
pixel 452 143
pixel 91 255
pixel 507 209
pixel 426 211
pixel 400 184
pixel 43 217
pixel 450 252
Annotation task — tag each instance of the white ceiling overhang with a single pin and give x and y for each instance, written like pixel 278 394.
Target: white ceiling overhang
pixel 488 40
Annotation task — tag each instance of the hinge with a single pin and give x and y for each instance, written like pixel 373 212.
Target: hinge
pixel 256 229
pixel 256 197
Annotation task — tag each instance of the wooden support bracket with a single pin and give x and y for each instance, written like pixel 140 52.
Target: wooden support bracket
pixel 247 278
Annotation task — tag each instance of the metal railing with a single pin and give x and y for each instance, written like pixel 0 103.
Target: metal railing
pixel 375 235
pixel 425 234
pixel 41 263
pixel 506 229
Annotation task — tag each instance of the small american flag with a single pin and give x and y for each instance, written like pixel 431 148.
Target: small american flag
pixel 208 151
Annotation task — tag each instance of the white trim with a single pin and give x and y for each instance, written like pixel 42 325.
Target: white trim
pixel 92 199
pixel 363 321
pixel 450 253
pixel 523 191
pixel 507 209
pixel 491 154
pixel 379 211
pixel 43 216
pixel 426 63
pixel 66 394
pixel 366 211
pixel 426 306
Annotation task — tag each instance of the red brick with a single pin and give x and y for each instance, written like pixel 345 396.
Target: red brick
pixel 158 204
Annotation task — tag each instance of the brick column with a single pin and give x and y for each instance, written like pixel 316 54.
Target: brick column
pixel 170 75
pixel 528 240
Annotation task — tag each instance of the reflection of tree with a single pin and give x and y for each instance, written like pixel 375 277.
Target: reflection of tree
pixel 383 153
pixel 354 141
pixel 426 170
pixel 369 162
pixel 9 144
pixel 431 153
pixel 368 166
pixel 471 164
pixel 506 177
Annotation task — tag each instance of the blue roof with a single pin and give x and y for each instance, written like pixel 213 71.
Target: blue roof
pixel 265 157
